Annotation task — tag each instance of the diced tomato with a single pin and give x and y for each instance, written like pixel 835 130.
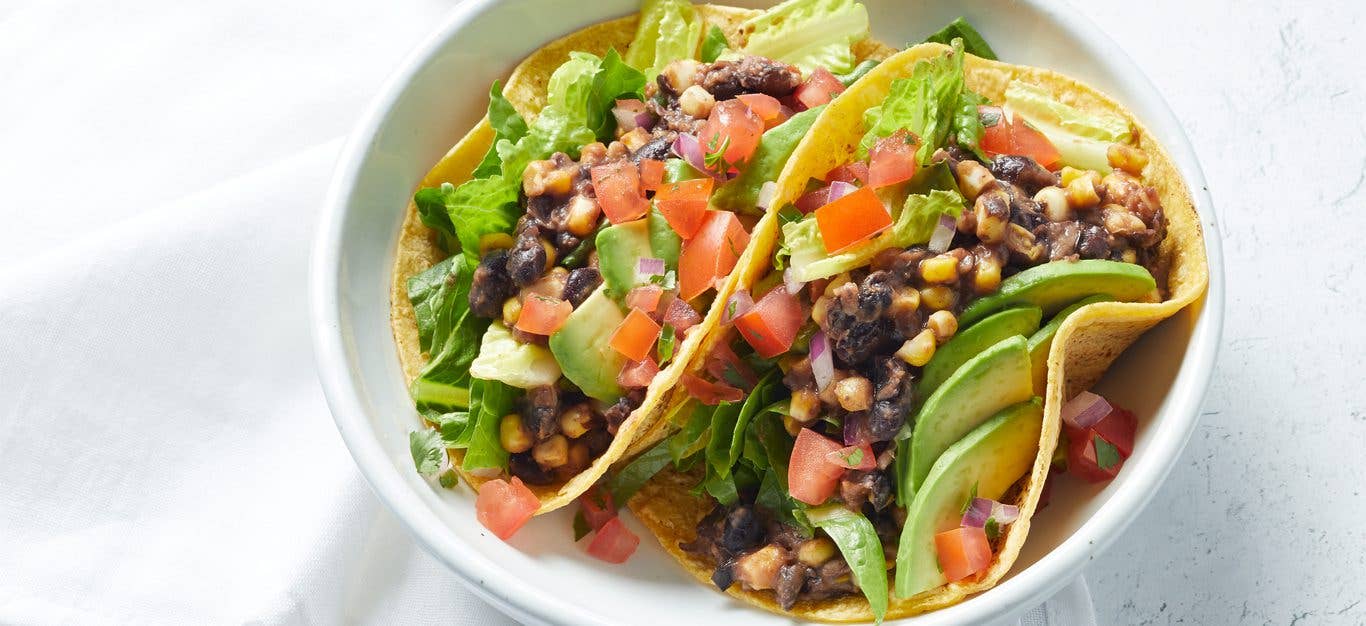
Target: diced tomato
pixel 1118 428
pixel 963 552
pixel 709 392
pixel 1025 140
pixel 732 131
pixel 995 130
pixel 855 172
pixel 651 174
pixel 1096 454
pixel 635 336
pixel 812 200
pixel 597 507
pixel 892 160
pixel 765 106
pixel 543 315
pixel 819 89
pixel 503 508
pixel 772 324
pixel 711 254
pixel 851 220
pixel 684 204
pixel 645 298
pixel 637 374
pixel 858 457
pixel 724 364
pixel 811 478
pixel 614 542
pixel 617 186
pixel 681 315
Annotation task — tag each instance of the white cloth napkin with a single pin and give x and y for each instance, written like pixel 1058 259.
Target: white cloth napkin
pixel 165 452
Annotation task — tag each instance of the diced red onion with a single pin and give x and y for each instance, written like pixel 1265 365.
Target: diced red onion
pixel 813 200
pixel 739 304
pixel 687 147
pixel 822 361
pixel 767 192
pixel 790 281
pixel 857 430
pixel 983 509
pixel 649 266
pixel 1085 409
pixel 840 189
pixel 943 234
pixel 631 114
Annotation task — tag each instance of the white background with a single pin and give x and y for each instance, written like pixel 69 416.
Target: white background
pixel 115 114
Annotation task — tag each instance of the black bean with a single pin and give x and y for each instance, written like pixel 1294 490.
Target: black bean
pixel 885 419
pixel 1023 171
pixel 657 149
pixel 491 285
pixel 527 260
pixel 523 466
pixel 580 284
pixel 791 579
pixel 751 74
pixel 1094 242
pixel 542 414
pixel 724 576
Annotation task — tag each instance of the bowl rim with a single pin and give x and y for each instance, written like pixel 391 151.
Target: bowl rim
pixel 486 579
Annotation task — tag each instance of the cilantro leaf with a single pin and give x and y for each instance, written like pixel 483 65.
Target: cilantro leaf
pixel 581 527
pixel 427 450
pixel 1107 455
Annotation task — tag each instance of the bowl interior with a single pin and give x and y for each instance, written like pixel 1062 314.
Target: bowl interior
pixel 542 575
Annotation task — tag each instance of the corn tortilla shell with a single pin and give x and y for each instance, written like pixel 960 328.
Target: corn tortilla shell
pixel 1085 346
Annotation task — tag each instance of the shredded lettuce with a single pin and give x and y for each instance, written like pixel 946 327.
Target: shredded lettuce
pixel 973 43
pixel 1082 139
pixel 669 30
pixel 503 358
pixel 810 34
pixel 862 550
pixel 625 482
pixel 775 146
pixel 932 104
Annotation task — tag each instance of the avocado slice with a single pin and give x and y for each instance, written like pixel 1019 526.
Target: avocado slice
pixel 1042 340
pixel 619 248
pixel 581 347
pixel 664 242
pixel 1052 286
pixel 989 460
pixel 971 342
pixel 995 379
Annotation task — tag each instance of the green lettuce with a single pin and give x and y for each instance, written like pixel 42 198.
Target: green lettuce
pixel 474 209
pixel 669 30
pixel 973 43
pixel 713 45
pixel 1082 139
pixel 932 103
pixel 490 400
pixel 448 331
pixel 810 34
pixel 775 146
pixel 503 358
pixel 507 124
pixel 862 550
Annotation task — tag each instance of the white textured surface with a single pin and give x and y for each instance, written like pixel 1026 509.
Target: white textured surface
pixel 1261 520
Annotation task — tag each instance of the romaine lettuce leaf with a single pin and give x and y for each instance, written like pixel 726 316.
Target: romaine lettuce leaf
pixel 973 43
pixel 440 298
pixel 625 482
pixel 862 550
pixel 926 103
pixel 490 400
pixel 503 358
pixel 775 146
pixel 507 124
pixel 713 45
pixel 809 33
pixel 476 208
pixel 1082 139
pixel 668 30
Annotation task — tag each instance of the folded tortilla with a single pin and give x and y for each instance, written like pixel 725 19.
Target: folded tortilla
pixel 1085 346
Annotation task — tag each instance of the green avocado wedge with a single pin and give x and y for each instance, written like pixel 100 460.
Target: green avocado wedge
pixel 991 381
pixel 1052 286
pixel 971 342
pixel 620 248
pixel 581 347
pixel 1042 340
pixel 987 462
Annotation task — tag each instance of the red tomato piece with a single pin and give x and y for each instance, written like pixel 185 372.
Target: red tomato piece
pixel 724 364
pixel 811 478
pixel 614 542
pixel 638 373
pixel 963 552
pixel 731 135
pixel 597 507
pixel 711 254
pixel 995 130
pixel 765 106
pixel 681 315
pixel 1025 140
pixel 617 186
pixel 543 315
pixel 684 204
pixel 812 200
pixel 858 457
pixel 504 507
pixel 851 220
pixel 1084 460
pixel 709 392
pixel 819 89
pixel 645 298
pixel 651 174
pixel 1118 428
pixel 635 336
pixel 856 172
pixel 892 160
pixel 772 324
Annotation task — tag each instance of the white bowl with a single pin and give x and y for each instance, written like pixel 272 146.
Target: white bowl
pixel 542 576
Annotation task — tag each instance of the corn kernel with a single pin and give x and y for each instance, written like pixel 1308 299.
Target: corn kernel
pixel 938 298
pixel 1054 203
pixel 939 269
pixel 552 452
pixel 495 241
pixel 918 350
pixel 816 552
pixel 1070 174
pixel 805 406
pixel 854 393
pixel 681 74
pixel 987 278
pixel 550 255
pixel 535 177
pixel 578 458
pixel 576 420
pixel 696 101
pixel 512 311
pixel 582 216
pixel 1127 158
pixel 1081 193
pixel 1129 256
pixel 558 182
pixel 836 283
pixel 943 324
pixel 905 303
pixel 792 426
pixel 635 138
pixel 819 310
pixel 512 435
pixel 972 178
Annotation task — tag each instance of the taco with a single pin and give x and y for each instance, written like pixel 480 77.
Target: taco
pixel 557 268
pixel 956 251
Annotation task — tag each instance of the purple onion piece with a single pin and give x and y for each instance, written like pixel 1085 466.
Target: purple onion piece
pixel 977 513
pixel 790 281
pixel 739 304
pixel 1005 513
pixel 857 430
pixel 943 234
pixel 649 266
pixel 822 360
pixel 839 189
pixel 1085 409
pixel 767 192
